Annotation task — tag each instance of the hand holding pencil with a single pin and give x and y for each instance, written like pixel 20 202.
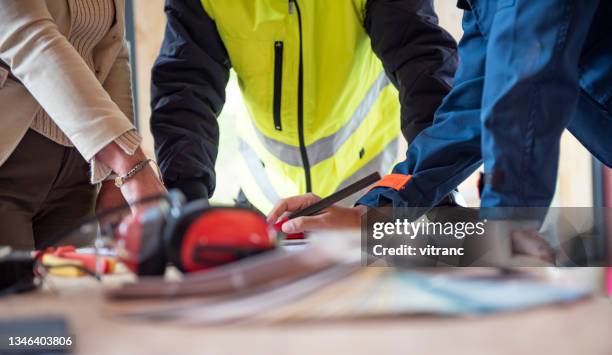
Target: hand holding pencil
pixel 309 212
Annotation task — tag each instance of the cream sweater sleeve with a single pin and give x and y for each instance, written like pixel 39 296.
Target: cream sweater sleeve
pixel 119 86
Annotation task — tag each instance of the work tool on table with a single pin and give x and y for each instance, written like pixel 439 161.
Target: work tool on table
pixel 68 262
pixel 328 202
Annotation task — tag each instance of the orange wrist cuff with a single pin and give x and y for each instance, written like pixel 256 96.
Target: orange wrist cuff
pixel 394 181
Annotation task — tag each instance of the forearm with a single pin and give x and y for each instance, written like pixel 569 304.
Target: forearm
pixel 118 160
pixel 144 183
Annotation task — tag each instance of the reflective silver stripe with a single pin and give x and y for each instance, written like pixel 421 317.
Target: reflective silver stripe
pixel 257 170
pixel 381 163
pixel 325 147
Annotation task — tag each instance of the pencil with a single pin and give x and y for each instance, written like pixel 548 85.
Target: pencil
pixel 337 196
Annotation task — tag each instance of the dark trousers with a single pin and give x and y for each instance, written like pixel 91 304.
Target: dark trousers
pixel 44 189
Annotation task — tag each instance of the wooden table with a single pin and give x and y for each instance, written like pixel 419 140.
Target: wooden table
pixel 581 328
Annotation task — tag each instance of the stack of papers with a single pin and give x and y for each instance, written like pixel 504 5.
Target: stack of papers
pixel 314 284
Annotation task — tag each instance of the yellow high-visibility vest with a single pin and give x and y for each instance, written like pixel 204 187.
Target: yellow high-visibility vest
pixel 322 112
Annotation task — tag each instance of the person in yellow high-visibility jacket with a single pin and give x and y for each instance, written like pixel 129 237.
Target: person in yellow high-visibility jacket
pixel 320 80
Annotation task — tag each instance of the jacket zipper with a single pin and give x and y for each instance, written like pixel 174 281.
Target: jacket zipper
pixel 303 152
pixel 278 83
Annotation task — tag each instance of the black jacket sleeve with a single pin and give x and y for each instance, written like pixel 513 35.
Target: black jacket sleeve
pixel 187 94
pixel 419 57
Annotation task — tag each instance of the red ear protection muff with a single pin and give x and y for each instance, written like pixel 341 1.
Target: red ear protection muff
pixel 139 243
pixel 212 236
pixel 194 237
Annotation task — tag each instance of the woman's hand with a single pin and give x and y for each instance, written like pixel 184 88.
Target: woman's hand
pixel 334 217
pixel 144 183
pixel 109 197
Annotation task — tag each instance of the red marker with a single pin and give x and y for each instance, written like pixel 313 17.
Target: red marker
pixel 278 227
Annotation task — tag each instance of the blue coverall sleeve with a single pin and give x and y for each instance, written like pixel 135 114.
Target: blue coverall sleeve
pixel 444 154
pixel 420 58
